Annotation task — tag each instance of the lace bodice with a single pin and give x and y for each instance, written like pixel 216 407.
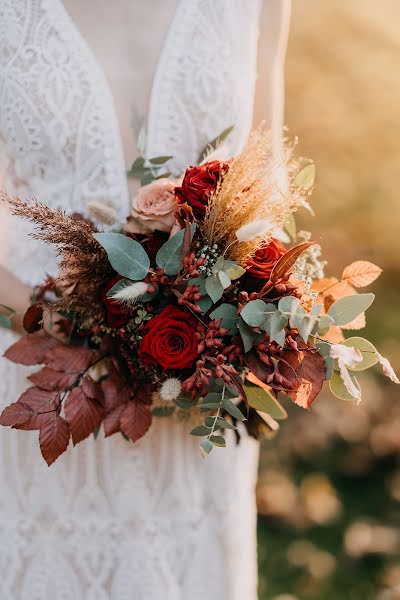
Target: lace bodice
pixel 113 520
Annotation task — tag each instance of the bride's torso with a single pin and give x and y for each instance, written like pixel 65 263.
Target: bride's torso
pixel 75 88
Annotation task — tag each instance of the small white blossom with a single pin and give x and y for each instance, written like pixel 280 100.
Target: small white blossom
pixel 131 293
pixel 388 369
pixel 170 389
pixel 349 355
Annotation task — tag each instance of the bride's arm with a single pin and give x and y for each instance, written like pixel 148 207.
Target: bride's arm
pixel 15 294
pixel 269 99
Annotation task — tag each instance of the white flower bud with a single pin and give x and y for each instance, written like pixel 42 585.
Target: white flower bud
pixel 170 389
pixel 254 229
pixel 102 213
pixel 131 293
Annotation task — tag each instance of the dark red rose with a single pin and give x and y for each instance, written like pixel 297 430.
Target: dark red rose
pixel 117 313
pixel 198 184
pixel 265 258
pixel 169 339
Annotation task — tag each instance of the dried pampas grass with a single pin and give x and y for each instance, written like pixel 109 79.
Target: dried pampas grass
pixel 253 198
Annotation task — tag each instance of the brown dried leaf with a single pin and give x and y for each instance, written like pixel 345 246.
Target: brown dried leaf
pixel 111 422
pixel 116 392
pixel 53 437
pixel 33 318
pixel 92 389
pixel 40 400
pixel 306 374
pixel 31 349
pixel 136 420
pixel 49 379
pixel 16 414
pixel 357 323
pixel 361 273
pixel 69 359
pixel 83 414
pixel 286 262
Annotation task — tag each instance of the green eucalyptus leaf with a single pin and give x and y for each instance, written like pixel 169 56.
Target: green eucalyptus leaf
pixel 288 304
pixel 219 265
pixel 218 423
pixel 338 388
pixel 224 279
pixel 260 399
pixel 163 411
pixel 233 270
pixel 137 168
pixel 290 226
pixel 214 288
pixel 229 316
pixel 346 309
pixel 324 349
pixel 247 334
pixel 213 398
pixel 368 351
pixel 200 430
pixel 306 177
pixel 324 323
pixel 5 321
pixel 205 447
pixel 218 440
pixel 297 317
pixel 159 160
pixel 170 254
pixel 233 410
pixel 127 257
pixel 254 313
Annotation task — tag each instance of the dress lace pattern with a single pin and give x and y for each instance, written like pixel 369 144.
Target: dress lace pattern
pixel 115 521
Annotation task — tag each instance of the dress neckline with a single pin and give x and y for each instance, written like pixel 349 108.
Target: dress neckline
pixel 105 86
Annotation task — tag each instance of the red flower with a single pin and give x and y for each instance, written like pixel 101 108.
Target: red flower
pixel 198 184
pixel 265 258
pixel 117 313
pixel 170 340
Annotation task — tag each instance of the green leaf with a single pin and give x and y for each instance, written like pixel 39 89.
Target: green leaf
pixel 170 254
pixel 8 309
pixel 254 313
pixel 274 325
pixel 163 411
pixel 306 177
pixel 126 256
pixel 185 401
pixel 338 388
pixel 368 351
pixel 212 399
pixel 218 440
pixel 5 321
pixel 324 323
pixel 200 430
pixel 159 160
pixel 224 279
pixel 229 316
pixel 288 304
pixel 247 334
pixel 290 226
pixel 260 399
pixel 233 270
pixel 214 288
pixel 205 448
pixel 137 168
pixel 346 309
pixel 233 410
pixel 213 145
pixel 324 349
pixel 220 423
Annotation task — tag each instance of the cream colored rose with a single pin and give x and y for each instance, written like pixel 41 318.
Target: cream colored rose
pixel 153 207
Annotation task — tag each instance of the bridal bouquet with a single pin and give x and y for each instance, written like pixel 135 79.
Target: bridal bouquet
pixel 205 301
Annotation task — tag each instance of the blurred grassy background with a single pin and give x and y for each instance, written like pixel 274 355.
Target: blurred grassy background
pixel 329 490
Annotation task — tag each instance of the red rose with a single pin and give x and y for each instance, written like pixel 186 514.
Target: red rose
pixel 169 340
pixel 198 184
pixel 117 313
pixel 265 258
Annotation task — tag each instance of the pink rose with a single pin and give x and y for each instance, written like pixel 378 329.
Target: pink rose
pixel 153 207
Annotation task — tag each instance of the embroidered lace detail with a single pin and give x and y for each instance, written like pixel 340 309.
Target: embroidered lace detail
pixel 112 520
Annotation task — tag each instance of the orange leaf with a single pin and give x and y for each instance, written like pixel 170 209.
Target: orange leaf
pixel 286 262
pixel 361 273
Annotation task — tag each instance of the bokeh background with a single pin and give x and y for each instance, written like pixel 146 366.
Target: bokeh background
pixel 329 487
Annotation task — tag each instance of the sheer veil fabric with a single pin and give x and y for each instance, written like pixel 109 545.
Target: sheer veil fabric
pixel 112 520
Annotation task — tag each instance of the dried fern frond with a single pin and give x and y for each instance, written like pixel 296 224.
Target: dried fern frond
pixel 84 266
pixel 257 189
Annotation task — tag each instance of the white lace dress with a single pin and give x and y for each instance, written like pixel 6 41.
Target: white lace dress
pixel 113 520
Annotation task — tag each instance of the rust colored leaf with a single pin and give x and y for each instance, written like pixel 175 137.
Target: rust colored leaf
pixel 286 262
pixel 53 437
pixel 15 414
pixel 361 273
pixel 112 421
pixel 83 414
pixel 69 359
pixel 306 373
pixel 33 318
pixel 40 400
pixel 31 349
pixel 259 369
pixel 115 391
pixel 48 379
pixel 136 420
